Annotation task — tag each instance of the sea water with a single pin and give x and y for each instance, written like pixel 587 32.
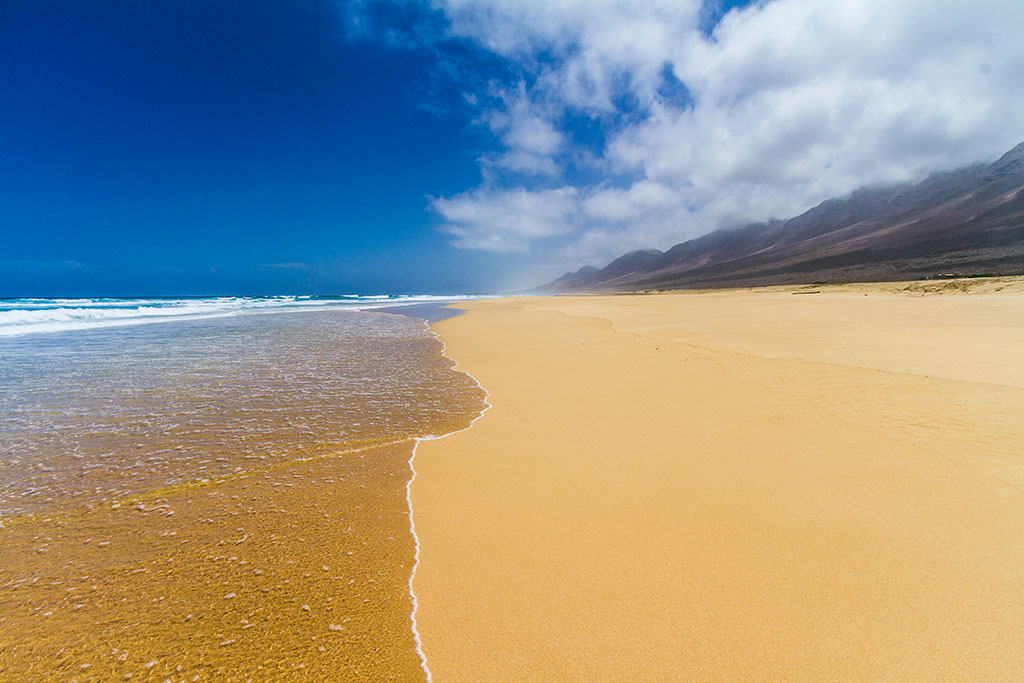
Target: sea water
pixel 159 455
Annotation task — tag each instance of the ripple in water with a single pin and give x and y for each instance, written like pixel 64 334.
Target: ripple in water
pixel 148 473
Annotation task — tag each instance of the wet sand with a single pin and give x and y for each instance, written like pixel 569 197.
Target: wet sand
pixel 743 484
pixel 276 545
pixel 298 570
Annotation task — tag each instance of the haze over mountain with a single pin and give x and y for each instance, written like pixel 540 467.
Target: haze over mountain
pixel 969 221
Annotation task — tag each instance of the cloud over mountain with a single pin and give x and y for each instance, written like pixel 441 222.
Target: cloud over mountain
pixel 632 124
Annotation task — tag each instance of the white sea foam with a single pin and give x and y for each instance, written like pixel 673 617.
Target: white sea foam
pixel 408 497
pixel 38 316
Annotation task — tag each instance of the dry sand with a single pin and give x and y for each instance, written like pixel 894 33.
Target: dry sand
pixel 732 485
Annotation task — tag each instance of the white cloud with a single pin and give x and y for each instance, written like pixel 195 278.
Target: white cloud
pixel 792 102
pixel 601 41
pixel 531 141
pixel 534 135
pixel 623 206
pixel 507 221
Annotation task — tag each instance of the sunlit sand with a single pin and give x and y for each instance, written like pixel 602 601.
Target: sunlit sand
pixel 789 483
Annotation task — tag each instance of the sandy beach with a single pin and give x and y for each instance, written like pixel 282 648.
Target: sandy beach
pixel 787 483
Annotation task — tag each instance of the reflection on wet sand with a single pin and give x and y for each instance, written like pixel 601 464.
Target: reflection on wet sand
pixel 295 563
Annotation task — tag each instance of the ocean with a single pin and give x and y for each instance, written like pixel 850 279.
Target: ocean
pixel 214 487
pixel 33 316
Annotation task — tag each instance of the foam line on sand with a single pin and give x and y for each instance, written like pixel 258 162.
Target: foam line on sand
pixel 408 499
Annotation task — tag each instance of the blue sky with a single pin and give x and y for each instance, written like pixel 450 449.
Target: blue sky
pixel 209 147
pixel 448 146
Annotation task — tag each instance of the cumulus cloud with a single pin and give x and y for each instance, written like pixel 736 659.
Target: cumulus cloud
pixel 782 104
pixel 530 140
pixel 507 220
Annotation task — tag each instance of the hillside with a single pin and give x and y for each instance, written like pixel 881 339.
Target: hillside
pixel 969 221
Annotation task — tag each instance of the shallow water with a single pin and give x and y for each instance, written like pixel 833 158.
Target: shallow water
pixel 223 495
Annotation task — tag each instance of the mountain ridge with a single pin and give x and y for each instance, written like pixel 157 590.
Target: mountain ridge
pixel 966 221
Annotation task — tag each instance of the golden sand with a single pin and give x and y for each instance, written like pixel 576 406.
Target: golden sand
pixel 744 484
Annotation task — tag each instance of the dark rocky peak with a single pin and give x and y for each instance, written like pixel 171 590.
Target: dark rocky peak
pixel 630 263
pixel 1010 163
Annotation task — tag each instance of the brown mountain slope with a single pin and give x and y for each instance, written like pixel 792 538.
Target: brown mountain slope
pixel 968 221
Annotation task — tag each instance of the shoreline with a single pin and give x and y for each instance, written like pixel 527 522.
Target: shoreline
pixel 285 555
pixel 412 470
pixel 731 484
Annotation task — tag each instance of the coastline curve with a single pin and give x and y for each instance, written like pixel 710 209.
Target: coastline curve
pixel 408 497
